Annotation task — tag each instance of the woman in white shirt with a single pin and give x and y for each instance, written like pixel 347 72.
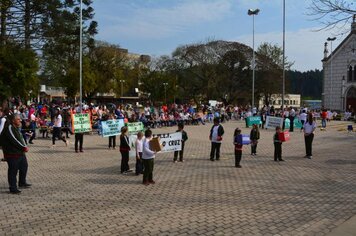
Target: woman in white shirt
pixel 309 128
pixel 57 129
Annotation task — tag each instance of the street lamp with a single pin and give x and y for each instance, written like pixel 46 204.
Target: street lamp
pixel 165 92
pixel 331 68
pixel 252 13
pixel 284 55
pixel 122 88
pixel 81 58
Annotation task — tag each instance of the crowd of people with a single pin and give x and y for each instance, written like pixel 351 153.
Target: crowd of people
pixel 22 124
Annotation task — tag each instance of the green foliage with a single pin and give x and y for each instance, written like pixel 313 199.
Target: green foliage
pixel 18 67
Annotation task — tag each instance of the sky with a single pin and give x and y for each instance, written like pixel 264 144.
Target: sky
pixel 158 27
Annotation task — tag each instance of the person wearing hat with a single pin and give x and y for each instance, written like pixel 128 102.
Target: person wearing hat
pixel 14 149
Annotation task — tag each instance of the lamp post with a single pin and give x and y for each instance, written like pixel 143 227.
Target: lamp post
pixel 284 55
pixel 331 68
pixel 165 92
pixel 122 81
pixel 252 13
pixel 81 58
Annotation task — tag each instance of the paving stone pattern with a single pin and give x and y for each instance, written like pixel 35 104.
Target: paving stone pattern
pixel 85 194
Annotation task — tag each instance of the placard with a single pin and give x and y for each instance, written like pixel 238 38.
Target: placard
pixel 170 142
pixel 81 123
pixel 251 120
pixel 297 123
pixel 273 122
pixel 243 139
pixel 135 127
pixel 111 127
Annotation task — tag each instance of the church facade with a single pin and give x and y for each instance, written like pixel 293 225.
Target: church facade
pixel 339 67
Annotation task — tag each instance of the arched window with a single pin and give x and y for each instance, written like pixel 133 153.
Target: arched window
pixel 349 74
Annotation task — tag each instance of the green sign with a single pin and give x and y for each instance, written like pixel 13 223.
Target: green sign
pixel 81 123
pixel 135 127
pixel 253 120
pixel 297 123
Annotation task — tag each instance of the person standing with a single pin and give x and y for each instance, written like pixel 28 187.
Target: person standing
pixel 184 138
pixel 112 138
pixel 238 148
pixel 57 126
pixel 291 119
pixel 216 133
pixel 324 117
pixel 148 157
pixel 139 148
pixel 124 150
pixel 254 137
pixel 309 128
pixel 79 137
pixel 14 149
pixel 277 145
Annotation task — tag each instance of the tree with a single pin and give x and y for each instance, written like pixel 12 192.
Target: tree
pixel 269 70
pixel 332 13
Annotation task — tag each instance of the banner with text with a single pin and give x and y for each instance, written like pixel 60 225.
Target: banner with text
pixel 273 121
pixel 170 142
pixel 135 127
pixel 111 127
pixel 251 120
pixel 81 123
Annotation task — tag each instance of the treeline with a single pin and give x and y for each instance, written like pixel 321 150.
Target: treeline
pixel 308 84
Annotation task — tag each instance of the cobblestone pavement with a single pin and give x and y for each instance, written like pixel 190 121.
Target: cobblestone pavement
pixel 85 194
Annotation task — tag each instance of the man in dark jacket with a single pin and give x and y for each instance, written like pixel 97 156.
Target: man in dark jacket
pixel 216 133
pixel 14 149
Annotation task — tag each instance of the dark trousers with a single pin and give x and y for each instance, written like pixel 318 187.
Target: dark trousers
pixel 277 151
pixel 291 126
pixel 215 151
pixel 57 133
pixel 78 140
pixel 238 154
pixel 302 121
pixel 308 144
pixel 16 165
pixel 181 152
pixel 139 164
pixel 112 141
pixel 148 165
pixel 253 146
pixel 124 161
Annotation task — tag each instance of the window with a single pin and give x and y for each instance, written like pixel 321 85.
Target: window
pixel 349 74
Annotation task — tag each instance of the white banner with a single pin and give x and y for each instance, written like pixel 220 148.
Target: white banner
pixel 170 142
pixel 273 122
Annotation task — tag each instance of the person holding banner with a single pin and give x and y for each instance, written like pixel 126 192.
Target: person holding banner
pixel 184 138
pixel 124 150
pixel 148 157
pixel 216 133
pixel 309 128
pixel 238 148
pixel 277 145
pixel 254 137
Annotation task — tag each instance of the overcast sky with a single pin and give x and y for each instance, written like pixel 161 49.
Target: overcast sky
pixel 157 27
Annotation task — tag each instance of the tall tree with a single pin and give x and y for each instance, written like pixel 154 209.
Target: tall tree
pixel 332 13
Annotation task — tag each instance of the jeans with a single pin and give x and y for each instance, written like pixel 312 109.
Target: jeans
pixel 323 123
pixel 148 165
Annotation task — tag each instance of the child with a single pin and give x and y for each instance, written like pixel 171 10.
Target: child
pixel 254 137
pixel 216 133
pixel 138 147
pixel 124 150
pixel 238 148
pixel 148 159
pixel 184 138
pixel 277 145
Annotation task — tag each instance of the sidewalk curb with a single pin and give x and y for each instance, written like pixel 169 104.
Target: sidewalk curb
pixel 348 228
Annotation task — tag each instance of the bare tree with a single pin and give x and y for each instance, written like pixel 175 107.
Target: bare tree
pixel 332 13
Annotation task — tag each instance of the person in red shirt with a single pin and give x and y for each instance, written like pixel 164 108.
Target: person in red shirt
pixel 324 116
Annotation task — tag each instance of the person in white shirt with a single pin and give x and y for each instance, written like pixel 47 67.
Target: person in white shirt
pixel 216 133
pixel 139 149
pixel 57 132
pixel 148 157
pixel 302 118
pixel 309 128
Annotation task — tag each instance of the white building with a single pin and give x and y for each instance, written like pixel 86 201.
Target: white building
pixel 290 100
pixel 339 84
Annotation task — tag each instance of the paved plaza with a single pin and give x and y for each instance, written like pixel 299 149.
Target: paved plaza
pixel 85 194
